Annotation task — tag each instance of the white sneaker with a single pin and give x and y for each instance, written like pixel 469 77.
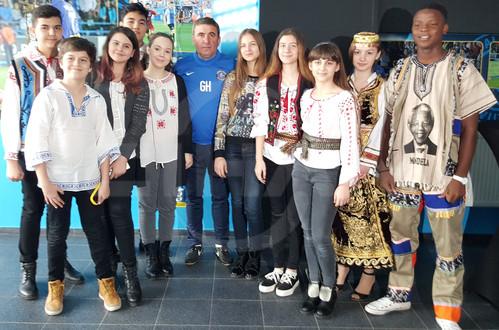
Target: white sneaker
pixel 270 281
pixel 447 324
pixel 385 305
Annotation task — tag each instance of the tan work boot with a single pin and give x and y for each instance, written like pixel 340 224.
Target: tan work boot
pixel 53 304
pixel 107 292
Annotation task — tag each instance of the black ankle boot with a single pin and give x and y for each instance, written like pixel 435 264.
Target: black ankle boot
pixel 252 267
pixel 71 274
pixel 27 288
pixel 132 285
pixel 164 258
pixel 152 262
pixel 237 268
pixel 309 306
pixel 325 308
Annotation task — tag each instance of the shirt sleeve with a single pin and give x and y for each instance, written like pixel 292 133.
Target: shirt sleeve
pixel 371 152
pixel 349 146
pixel 11 116
pixel 475 95
pixel 137 125
pixel 37 149
pixel 389 85
pixel 184 121
pixel 260 110
pixel 223 116
pixel 107 146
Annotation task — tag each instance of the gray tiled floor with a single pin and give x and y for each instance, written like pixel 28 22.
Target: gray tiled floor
pixel 204 296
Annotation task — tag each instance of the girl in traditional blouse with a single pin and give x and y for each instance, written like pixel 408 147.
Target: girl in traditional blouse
pixel 235 152
pixel 165 150
pixel 277 129
pixel 361 233
pixel 121 81
pixel 327 164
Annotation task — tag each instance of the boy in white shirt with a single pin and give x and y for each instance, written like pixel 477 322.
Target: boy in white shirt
pixel 37 67
pixel 70 144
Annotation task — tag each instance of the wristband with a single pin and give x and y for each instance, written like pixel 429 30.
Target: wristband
pixel 464 181
pixel 383 170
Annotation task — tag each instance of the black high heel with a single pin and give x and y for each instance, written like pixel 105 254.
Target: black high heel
pixel 357 296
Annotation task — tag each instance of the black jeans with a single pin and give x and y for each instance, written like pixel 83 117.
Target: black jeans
pixel 58 221
pixel 285 231
pixel 246 195
pixel 118 217
pixel 32 211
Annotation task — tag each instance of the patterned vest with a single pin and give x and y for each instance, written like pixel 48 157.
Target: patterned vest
pixel 31 77
pixel 274 96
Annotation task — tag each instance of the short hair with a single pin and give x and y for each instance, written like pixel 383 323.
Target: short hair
pixel 206 21
pixel 77 44
pixel 45 11
pixel 435 6
pixel 135 7
pixel 424 108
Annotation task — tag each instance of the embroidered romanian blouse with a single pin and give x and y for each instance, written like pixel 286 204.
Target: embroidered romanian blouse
pixel 72 142
pixel 333 117
pixel 286 124
pixel 159 143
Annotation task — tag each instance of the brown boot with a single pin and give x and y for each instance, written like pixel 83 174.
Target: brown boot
pixel 53 304
pixel 107 292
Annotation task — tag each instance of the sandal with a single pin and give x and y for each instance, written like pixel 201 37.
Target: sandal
pixel 358 296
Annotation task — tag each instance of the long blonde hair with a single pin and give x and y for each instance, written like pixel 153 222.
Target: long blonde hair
pixel 275 65
pixel 241 71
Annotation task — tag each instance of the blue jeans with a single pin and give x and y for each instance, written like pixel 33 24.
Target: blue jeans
pixel 313 191
pixel 246 195
pixel 203 160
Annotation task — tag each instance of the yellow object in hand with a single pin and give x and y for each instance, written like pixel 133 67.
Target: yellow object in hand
pixel 92 196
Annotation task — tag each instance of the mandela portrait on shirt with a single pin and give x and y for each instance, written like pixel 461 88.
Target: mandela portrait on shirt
pixel 420 125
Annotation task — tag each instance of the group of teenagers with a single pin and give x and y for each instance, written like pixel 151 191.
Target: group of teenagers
pixel 328 150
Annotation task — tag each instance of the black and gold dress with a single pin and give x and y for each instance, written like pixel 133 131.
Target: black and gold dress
pixel 361 235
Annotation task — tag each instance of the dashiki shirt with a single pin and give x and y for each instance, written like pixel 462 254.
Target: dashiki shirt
pixel 240 123
pixel 159 143
pixel 361 229
pixel 71 141
pixel 426 123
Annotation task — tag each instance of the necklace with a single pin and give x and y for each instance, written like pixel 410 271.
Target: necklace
pixel 165 102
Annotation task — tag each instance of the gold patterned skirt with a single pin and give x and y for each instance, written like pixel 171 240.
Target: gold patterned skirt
pixel 361 233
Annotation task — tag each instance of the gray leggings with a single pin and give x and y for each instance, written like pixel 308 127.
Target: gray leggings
pixel 313 191
pixel 159 194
